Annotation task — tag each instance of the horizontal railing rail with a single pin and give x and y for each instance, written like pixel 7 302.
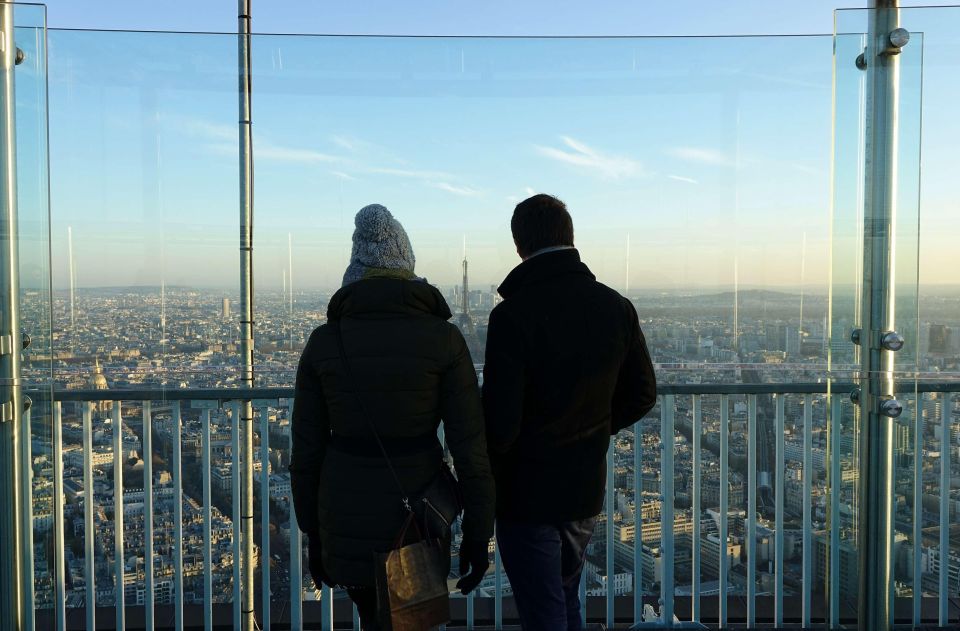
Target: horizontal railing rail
pixel 759 446
pixel 286 392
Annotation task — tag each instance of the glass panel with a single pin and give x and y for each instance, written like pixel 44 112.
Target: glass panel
pixel 144 134
pixel 33 224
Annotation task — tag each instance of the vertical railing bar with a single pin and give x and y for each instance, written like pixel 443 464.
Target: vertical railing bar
pixel 751 510
pixel 235 508
pixel 695 547
pixel 296 553
pixel 205 456
pixel 26 522
pixel 265 514
pixel 176 428
pixel 326 608
pixel 944 601
pixel 807 587
pixel 118 554
pixel 835 488
pixel 356 618
pixel 583 600
pixel 610 509
pixel 918 430
pixel 58 535
pixel 724 506
pixel 88 541
pixel 148 596
pixel 667 523
pixel 778 510
pixel 637 524
pixel 497 587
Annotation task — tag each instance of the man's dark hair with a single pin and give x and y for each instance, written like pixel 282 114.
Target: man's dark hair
pixel 539 222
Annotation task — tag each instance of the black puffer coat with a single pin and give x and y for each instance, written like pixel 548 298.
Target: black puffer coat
pixel 413 370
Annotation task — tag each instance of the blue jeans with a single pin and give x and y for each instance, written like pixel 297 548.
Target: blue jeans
pixel 544 563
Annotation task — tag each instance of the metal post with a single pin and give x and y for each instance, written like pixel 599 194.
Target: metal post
pixel 246 310
pixel 877 404
pixel 12 611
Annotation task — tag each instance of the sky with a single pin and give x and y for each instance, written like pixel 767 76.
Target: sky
pixel 686 162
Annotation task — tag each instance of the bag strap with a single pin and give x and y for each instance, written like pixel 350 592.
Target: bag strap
pixel 367 417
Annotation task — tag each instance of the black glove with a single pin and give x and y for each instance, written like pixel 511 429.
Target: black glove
pixel 315 562
pixel 474 556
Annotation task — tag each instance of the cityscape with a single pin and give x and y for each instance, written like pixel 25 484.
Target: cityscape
pixel 179 337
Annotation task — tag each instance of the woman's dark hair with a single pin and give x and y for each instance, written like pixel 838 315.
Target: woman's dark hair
pixel 541 221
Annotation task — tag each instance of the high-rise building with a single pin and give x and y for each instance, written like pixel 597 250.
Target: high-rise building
pixel 225 309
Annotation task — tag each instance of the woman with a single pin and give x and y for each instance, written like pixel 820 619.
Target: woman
pixel 412 369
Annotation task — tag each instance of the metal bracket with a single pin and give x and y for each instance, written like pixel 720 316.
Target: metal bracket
pixel 861 61
pixel 6 411
pixel 6 344
pixel 896 40
pixel 891 341
pixel 855 336
pixel 891 408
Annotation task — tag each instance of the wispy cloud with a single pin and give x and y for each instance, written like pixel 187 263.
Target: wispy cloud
pixel 682 178
pixel 342 175
pixel 463 191
pixel 579 154
pixel 267 151
pixel 529 191
pixel 415 174
pixel 702 155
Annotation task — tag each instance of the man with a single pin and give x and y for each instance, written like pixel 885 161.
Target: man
pixel 566 368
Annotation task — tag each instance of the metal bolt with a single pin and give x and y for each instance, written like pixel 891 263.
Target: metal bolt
pixel 861 61
pixel 891 408
pixel 20 56
pixel 855 336
pixel 899 37
pixel 25 339
pixel 27 403
pixel 855 395
pixel 892 341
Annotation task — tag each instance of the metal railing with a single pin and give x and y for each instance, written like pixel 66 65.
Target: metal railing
pixel 287 610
